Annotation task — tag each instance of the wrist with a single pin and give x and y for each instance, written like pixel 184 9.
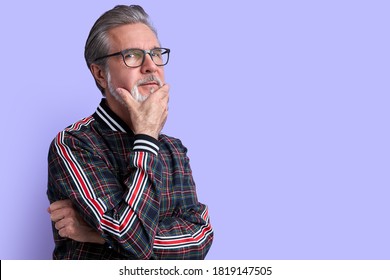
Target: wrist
pixel 149 133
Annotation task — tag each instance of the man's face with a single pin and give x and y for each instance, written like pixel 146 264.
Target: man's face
pixel 133 36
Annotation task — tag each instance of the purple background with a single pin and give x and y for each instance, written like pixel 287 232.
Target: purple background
pixel 284 106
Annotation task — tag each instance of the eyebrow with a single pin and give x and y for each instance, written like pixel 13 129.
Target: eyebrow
pixel 120 52
pixel 154 47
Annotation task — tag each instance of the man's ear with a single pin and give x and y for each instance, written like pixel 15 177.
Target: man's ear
pixel 99 74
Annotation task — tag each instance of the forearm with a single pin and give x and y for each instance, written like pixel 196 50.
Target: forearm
pixel 186 236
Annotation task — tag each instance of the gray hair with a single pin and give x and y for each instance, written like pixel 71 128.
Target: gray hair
pixel 98 45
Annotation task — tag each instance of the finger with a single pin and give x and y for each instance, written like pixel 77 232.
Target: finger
pixel 64 233
pixel 163 92
pixel 61 213
pixel 60 224
pixel 57 215
pixel 164 120
pixel 165 95
pixel 68 230
pixel 160 93
pixel 60 204
pixel 165 88
pixel 158 97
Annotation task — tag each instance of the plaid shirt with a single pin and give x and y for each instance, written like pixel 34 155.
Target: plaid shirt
pixel 136 191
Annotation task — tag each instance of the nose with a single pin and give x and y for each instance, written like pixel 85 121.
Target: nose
pixel 148 66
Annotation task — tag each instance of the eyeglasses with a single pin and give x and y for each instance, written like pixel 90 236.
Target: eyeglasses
pixel 135 57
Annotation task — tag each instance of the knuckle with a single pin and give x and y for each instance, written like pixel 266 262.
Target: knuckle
pixel 71 230
pixel 72 222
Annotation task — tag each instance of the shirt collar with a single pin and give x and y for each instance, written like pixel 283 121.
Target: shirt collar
pixel 107 117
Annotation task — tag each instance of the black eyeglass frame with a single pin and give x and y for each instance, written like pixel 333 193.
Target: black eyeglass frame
pixel 122 53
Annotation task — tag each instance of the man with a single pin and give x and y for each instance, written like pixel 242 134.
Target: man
pixel 118 188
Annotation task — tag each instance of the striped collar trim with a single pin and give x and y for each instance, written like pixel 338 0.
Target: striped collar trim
pixel 106 116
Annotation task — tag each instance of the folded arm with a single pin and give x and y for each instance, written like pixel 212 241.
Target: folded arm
pixel 125 213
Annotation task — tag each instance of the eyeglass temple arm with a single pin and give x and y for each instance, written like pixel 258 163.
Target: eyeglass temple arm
pixel 109 55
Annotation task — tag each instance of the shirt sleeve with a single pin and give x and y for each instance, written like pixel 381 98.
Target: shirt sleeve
pixel 126 209
pixel 187 233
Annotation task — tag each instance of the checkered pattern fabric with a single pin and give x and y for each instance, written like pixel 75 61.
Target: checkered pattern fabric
pixel 136 191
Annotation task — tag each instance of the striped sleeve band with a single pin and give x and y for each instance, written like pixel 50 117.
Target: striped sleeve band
pixel 146 143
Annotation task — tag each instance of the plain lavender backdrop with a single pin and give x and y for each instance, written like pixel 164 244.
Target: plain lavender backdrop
pixel 284 106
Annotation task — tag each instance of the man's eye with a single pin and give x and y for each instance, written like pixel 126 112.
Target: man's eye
pixel 157 53
pixel 129 55
pixel 133 55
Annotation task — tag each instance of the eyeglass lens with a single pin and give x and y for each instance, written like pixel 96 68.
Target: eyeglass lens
pixel 135 57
